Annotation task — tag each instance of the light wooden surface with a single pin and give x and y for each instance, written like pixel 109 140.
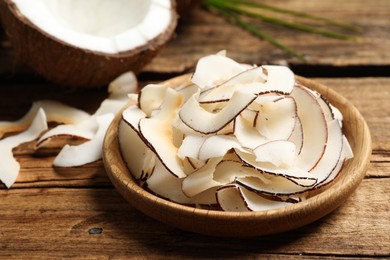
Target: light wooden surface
pixel 76 212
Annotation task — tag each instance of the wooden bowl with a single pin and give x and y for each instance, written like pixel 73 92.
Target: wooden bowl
pixel 246 224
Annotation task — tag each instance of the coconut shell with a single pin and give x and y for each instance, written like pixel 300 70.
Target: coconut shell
pixel 68 65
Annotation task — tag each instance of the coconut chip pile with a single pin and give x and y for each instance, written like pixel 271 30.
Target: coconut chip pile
pixel 234 137
pixel 72 122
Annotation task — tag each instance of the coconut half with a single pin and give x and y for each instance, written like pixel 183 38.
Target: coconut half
pixel 87 43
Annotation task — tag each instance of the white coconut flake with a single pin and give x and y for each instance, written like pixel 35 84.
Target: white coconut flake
pixel 87 152
pixel 248 138
pixel 55 112
pixel 9 166
pixel 202 121
pixel 212 70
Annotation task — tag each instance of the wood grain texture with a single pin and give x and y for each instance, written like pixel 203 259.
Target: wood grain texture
pixel 54 210
pixel 61 220
pixel 203 33
pixel 76 213
pixel 207 33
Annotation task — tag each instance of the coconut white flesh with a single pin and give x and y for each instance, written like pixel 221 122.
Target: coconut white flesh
pixel 83 130
pixel 297 136
pixel 347 149
pixel 132 115
pixel 9 166
pixel 278 185
pixel 332 154
pixel 213 70
pixel 151 98
pixel 314 128
pixel 229 198
pixel 188 91
pixel 124 84
pixel 201 179
pixel 119 91
pixel 55 112
pixel 225 90
pixel 217 146
pixel 301 177
pixel 103 26
pixel 202 121
pixel 191 146
pixel 345 155
pixel 255 202
pixel 87 152
pixel 278 79
pixel 133 149
pixel 276 119
pixel 157 132
pixel 280 153
pixel 227 171
pixel 168 186
pixel 246 134
pixel 192 164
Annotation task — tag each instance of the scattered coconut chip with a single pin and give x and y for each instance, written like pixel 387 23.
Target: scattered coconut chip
pixel 9 166
pixel 87 152
pixel 55 112
pixel 119 90
pixel 83 130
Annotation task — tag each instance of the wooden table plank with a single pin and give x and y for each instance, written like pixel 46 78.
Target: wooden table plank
pixel 203 33
pixel 65 222
pixel 76 212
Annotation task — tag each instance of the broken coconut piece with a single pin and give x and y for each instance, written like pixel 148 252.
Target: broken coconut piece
pixel 204 122
pixel 248 137
pixel 260 80
pixel 9 166
pixel 55 112
pixel 87 152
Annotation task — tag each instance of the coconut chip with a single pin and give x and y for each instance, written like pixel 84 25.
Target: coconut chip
pixel 73 122
pixel 9 166
pixel 248 137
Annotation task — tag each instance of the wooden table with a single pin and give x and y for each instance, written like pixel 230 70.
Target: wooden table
pixel 76 212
